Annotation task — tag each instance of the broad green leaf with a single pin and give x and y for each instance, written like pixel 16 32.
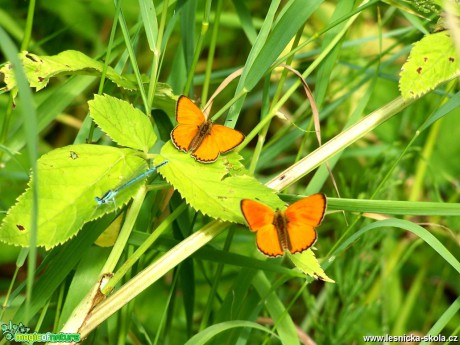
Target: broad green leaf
pixel 122 122
pixel 308 264
pixel 39 69
pixel 432 61
pixel 214 189
pixel 69 179
pixel 217 189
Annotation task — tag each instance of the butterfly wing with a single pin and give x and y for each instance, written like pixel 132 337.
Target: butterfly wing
pixel 268 241
pixel 260 219
pixel 221 139
pixel 301 237
pixel 182 136
pixel 208 151
pixel 188 113
pixel 189 118
pixel 226 138
pixel 309 210
pixel 302 217
pixel 257 215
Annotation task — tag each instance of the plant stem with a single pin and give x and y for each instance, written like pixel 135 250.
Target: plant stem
pixel 204 29
pixel 151 274
pixel 420 170
pixel 212 49
pixel 337 144
pixel 142 249
pixel 125 232
pixel 157 58
pixel 29 24
pixel 132 57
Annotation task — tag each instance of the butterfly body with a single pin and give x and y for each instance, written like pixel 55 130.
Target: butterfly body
pixel 198 135
pixel 280 223
pixel 203 130
pixel 292 230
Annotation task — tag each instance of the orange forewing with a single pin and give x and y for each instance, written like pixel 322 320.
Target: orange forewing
pixel 256 214
pixel 308 211
pixel 300 219
pixel 219 140
pixel 260 220
pixel 187 112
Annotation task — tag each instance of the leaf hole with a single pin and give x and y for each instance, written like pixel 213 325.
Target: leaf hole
pixel 30 57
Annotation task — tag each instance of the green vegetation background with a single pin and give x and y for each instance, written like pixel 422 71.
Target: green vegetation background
pixel 387 281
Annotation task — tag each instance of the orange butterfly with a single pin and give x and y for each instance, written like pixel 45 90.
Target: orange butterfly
pixel 293 229
pixel 200 136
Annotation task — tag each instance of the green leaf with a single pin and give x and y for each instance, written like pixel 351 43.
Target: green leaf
pixel 308 264
pixel 452 104
pixel 149 19
pixel 448 315
pixel 207 334
pixel 187 30
pixel 69 180
pixel 432 61
pixel 416 208
pixel 68 14
pixel 39 69
pixel 271 41
pixel 246 20
pixel 290 20
pixel 59 263
pixel 87 272
pixel 122 122
pixel 214 189
pixel 424 234
pixel 276 309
